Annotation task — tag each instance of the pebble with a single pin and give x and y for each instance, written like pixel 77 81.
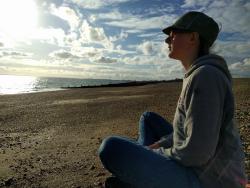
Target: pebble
pixel 9 182
pixel 92 167
pixel 100 174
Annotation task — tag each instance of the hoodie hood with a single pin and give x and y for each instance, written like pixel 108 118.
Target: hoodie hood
pixel 212 60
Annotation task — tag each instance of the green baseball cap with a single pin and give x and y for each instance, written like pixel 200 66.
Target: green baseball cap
pixel 198 22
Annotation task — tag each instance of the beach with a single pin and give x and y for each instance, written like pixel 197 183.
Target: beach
pixel 51 139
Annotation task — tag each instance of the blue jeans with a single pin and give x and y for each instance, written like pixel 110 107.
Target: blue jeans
pixel 134 163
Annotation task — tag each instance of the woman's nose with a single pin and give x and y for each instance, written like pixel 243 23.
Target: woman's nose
pixel 168 40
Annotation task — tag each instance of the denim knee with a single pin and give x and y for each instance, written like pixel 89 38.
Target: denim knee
pixel 147 115
pixel 104 147
pixel 107 149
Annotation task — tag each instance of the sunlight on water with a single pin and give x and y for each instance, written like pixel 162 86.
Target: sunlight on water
pixel 10 84
pixel 17 84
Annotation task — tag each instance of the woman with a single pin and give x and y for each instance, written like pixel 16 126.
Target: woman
pixel 202 149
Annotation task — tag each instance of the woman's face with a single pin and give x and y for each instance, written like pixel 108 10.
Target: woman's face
pixel 177 44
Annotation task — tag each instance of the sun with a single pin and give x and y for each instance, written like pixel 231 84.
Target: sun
pixel 18 18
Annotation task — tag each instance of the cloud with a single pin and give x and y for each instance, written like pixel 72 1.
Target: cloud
pixel 141 23
pixel 150 35
pixel 106 60
pixel 62 54
pixel 50 35
pixel 87 52
pixel 83 68
pixel 146 48
pixel 166 9
pixel 154 67
pixel 236 49
pixel 96 4
pixel 241 68
pixel 133 23
pixel 68 14
pixel 91 34
pixel 157 49
pixel 247 6
pixel 123 35
pixel 234 17
pixel 114 15
pixel 195 3
pixel 14 54
pixel 1 44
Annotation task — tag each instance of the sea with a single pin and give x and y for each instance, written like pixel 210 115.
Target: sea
pixel 12 84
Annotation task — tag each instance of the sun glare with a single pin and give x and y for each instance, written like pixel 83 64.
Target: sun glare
pixel 18 19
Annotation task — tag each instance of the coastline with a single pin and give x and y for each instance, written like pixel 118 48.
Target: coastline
pixel 122 83
pixel 50 139
pixel 127 84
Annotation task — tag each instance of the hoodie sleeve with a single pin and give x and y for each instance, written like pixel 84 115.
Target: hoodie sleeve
pixel 203 106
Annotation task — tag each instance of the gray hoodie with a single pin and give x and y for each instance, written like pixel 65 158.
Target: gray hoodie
pixel 205 136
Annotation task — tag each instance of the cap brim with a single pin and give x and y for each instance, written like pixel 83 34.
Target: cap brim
pixel 167 30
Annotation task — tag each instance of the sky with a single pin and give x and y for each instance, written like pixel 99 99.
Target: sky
pixel 112 39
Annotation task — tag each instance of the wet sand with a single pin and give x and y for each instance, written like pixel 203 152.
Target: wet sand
pixel 51 139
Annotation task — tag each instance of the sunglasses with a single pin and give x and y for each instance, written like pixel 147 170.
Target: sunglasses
pixel 175 31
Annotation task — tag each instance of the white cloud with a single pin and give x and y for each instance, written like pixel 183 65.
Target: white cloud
pixel 234 18
pixel 106 60
pixel 139 68
pixel 91 34
pixel 151 35
pixel 145 60
pixel 50 35
pixel 71 39
pixel 123 35
pixel 146 48
pixel 156 10
pixel 236 49
pixel 141 23
pixel 62 54
pixel 114 15
pixel 66 13
pixel 96 4
pixel 241 68
pixel 87 52
pixel 155 49
pixel 155 67
pixel 134 23
pixel 14 54
pixel 192 3
pixel 247 6
pixel 133 31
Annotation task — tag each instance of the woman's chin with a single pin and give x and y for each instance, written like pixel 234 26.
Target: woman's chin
pixel 171 55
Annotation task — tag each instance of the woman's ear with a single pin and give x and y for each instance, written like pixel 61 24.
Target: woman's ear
pixel 194 38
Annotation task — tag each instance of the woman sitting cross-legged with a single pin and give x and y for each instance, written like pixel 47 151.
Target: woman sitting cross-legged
pixel 202 148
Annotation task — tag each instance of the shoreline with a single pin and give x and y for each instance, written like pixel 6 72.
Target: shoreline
pixel 125 84
pixel 122 84
pixel 38 91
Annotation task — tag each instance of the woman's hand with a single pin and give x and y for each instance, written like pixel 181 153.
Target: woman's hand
pixel 154 146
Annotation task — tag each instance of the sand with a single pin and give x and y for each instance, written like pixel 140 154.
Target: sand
pixel 50 139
